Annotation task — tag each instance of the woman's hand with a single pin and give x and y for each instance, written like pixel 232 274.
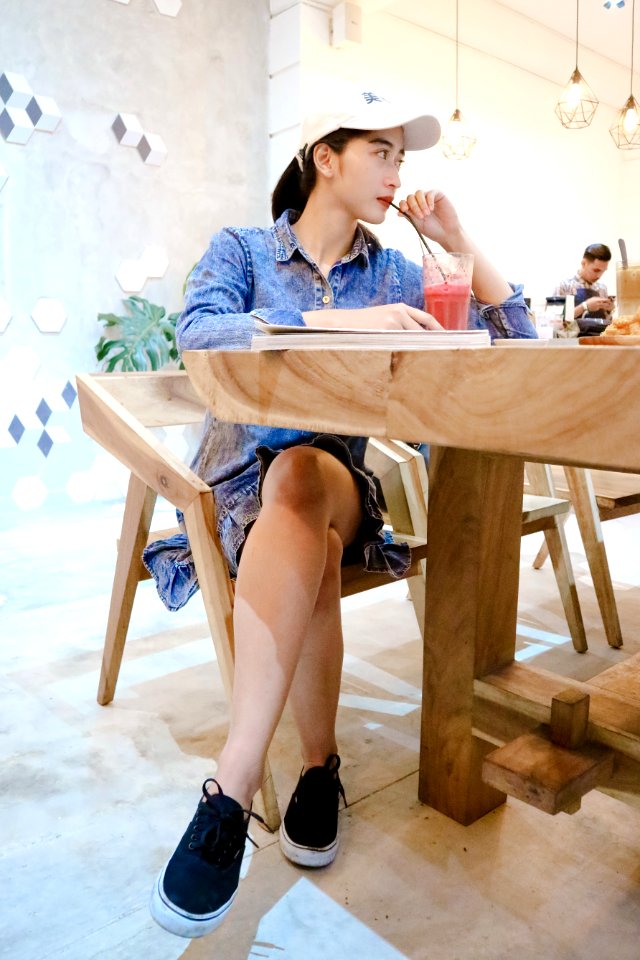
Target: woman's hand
pixel 435 216
pixel 388 316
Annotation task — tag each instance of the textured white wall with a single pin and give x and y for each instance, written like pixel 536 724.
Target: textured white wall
pixel 76 203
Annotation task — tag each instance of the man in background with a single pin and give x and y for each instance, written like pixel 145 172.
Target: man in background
pixel 593 306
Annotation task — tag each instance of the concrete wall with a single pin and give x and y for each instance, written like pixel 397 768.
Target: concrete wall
pixel 76 203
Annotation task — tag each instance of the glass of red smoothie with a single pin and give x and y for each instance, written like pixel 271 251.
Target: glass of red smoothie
pixel 447 288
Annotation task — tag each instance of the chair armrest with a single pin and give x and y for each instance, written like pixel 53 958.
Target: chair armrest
pixel 111 425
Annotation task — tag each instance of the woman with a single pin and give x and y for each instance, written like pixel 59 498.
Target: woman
pixel 292 505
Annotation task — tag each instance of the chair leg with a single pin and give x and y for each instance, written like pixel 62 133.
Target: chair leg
pixel 217 595
pixel 559 552
pixel 541 556
pixel 138 512
pixel 588 517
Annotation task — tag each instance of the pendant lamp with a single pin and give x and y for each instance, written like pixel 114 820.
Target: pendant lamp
pixel 578 102
pixel 457 140
pixel 626 129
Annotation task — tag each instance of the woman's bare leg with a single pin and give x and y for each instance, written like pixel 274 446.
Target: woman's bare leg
pixel 311 508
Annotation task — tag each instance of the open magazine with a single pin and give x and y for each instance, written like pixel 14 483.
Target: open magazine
pixel 274 336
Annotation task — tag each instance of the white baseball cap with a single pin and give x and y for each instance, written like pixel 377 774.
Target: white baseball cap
pixel 369 111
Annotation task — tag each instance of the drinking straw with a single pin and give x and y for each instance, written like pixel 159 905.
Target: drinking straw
pixel 422 239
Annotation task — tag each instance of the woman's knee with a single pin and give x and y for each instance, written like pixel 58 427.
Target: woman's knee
pixel 296 478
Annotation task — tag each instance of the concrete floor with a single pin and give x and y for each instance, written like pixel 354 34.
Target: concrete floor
pixel 93 799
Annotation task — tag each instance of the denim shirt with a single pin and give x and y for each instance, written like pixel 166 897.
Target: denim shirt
pixel 250 272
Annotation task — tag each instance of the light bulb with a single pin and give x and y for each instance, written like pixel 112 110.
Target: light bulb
pixel 630 121
pixel 573 97
pixel 457 141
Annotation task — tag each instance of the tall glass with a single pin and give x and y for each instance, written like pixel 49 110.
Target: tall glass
pixel 447 288
pixel 627 288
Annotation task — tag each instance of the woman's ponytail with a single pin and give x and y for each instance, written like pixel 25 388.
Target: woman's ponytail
pixel 289 192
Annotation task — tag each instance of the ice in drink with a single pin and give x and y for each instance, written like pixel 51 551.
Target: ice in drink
pixel 449 303
pixel 627 289
pixel 447 288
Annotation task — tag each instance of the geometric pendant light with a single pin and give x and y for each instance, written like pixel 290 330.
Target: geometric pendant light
pixel 457 141
pixel 578 103
pixel 626 129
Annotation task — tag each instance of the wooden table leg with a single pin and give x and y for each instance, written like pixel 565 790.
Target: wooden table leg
pixel 475 514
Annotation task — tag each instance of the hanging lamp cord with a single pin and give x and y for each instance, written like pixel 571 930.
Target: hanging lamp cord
pixel 633 20
pixel 457 54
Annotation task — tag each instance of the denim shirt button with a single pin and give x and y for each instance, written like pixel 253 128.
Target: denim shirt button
pixel 326 299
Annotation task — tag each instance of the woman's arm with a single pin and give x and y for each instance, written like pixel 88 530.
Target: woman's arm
pixel 435 216
pixel 218 301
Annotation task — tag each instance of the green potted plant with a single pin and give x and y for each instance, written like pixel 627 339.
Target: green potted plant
pixel 145 338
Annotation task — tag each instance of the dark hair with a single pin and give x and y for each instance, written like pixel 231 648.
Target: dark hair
pixel 295 185
pixel 597 251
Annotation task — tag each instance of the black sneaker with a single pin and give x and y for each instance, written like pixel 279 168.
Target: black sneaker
pixel 198 884
pixel 309 831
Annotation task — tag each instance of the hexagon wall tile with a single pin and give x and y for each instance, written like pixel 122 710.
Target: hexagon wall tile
pixel 43 113
pixel 15 90
pixel 128 129
pixel 152 149
pixel 16 125
pixel 154 261
pixel 131 276
pixel 29 493
pixel 5 315
pixel 170 8
pixel 49 315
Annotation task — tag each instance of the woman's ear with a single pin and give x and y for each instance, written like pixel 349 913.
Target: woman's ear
pixel 323 157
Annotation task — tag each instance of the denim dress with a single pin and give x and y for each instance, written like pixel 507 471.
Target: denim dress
pixel 249 273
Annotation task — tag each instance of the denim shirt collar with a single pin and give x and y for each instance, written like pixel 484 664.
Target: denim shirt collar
pixel 287 243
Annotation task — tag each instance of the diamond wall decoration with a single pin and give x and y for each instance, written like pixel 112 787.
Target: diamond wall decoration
pixel 43 412
pixel 152 149
pixel 44 114
pixel 129 133
pixel 45 443
pixel 16 429
pixel 25 111
pixel 15 90
pixel 128 129
pixel 69 394
pixel 16 125
pixel 49 315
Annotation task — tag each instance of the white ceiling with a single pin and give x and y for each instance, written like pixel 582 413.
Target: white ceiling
pixel 606 33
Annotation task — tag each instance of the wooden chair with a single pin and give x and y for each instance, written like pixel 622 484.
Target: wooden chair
pixel 542 511
pixel 117 411
pixel 596 496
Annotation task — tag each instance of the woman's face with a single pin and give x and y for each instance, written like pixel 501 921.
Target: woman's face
pixel 368 173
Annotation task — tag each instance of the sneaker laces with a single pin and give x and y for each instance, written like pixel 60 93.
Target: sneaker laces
pixel 220 835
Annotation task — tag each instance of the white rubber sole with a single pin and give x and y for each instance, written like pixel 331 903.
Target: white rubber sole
pixel 307 856
pixel 179 922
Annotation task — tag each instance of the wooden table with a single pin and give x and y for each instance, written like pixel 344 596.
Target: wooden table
pixel 486 411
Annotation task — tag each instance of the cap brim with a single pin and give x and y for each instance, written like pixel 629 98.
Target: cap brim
pixel 421 133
